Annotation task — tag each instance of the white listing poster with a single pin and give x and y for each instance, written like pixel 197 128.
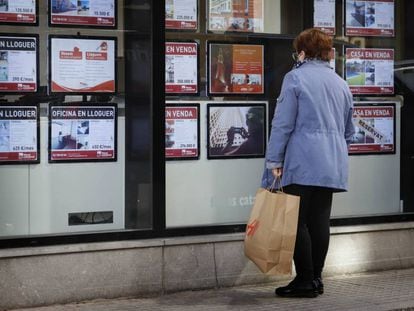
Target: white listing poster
pixel 370 18
pixel 18 11
pixel 181 67
pixel 370 71
pixel 91 13
pixel 181 14
pixel 374 129
pixel 81 65
pixel 18 134
pixel 18 64
pixel 324 16
pixel 181 132
pixel 82 133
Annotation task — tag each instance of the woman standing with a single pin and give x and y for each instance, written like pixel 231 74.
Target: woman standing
pixel 311 129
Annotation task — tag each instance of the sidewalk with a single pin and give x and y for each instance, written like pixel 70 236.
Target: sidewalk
pixel 388 290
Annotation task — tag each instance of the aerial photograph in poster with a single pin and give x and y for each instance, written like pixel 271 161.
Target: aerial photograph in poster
pixel 19 142
pixel 79 133
pixel 91 13
pixel 236 130
pixel 18 12
pixel 181 67
pixel 236 69
pixel 374 129
pixel 18 64
pixel 370 71
pixel 182 132
pixel 324 16
pixel 82 65
pixel 181 14
pixel 236 15
pixel 370 18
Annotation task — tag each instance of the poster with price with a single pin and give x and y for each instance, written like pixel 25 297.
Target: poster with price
pixel 181 14
pixel 19 134
pixel 369 18
pixel 19 64
pixel 370 71
pixel 324 16
pixel 18 12
pixel 182 132
pixel 82 133
pixel 374 129
pixel 181 68
pixel 83 65
pixel 90 13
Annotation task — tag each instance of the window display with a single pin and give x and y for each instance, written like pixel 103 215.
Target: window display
pixel 19 63
pixel 182 131
pixel 324 16
pixel 236 69
pixel 236 130
pixel 82 133
pixel 181 14
pixel 19 12
pixel 19 134
pixel 84 65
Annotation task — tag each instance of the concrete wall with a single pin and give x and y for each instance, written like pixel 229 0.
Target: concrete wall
pixel 69 273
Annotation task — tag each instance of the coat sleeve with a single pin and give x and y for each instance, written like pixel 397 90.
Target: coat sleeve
pixel 349 126
pixel 283 122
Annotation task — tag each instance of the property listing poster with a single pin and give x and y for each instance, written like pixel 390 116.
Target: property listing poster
pixel 18 11
pixel 370 18
pixel 82 133
pixel 181 132
pixel 324 16
pixel 181 67
pixel 19 134
pixel 181 14
pixel 236 15
pixel 82 65
pixel 99 13
pixel 374 129
pixel 236 68
pixel 18 64
pixel 370 71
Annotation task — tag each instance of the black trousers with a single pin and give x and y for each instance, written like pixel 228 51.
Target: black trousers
pixel 312 240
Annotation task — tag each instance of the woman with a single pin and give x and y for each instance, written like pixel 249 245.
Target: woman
pixel 311 129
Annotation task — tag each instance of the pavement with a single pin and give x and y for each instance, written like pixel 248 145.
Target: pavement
pixel 386 290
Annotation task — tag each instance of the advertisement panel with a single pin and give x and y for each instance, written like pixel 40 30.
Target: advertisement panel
pixel 324 16
pixel 182 132
pixel 236 69
pixel 82 64
pixel 19 12
pixel 82 133
pixel 181 67
pixel 19 134
pixel 181 14
pixel 370 71
pixel 19 63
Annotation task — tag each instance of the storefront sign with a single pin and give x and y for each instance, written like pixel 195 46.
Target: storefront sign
pixel 236 68
pixel 181 14
pixel 18 12
pixel 370 71
pixel 91 13
pixel 324 16
pixel 370 18
pixel 82 65
pixel 181 67
pixel 374 129
pixel 18 64
pixel 19 135
pixel 235 15
pixel 82 133
pixel 182 132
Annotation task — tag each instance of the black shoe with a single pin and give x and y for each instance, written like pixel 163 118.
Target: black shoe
pixel 318 285
pixel 298 289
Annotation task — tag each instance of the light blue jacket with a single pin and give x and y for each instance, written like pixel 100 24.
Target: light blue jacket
pixel 311 129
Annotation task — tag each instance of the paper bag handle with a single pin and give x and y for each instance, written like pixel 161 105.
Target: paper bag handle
pixel 272 186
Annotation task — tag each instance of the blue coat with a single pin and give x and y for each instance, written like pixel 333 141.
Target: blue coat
pixel 311 129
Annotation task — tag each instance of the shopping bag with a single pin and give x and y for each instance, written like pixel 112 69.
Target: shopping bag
pixel 271 231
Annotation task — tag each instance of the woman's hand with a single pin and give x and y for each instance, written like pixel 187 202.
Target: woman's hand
pixel 277 172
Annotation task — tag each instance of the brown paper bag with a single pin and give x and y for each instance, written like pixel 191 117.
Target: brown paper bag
pixel 271 231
